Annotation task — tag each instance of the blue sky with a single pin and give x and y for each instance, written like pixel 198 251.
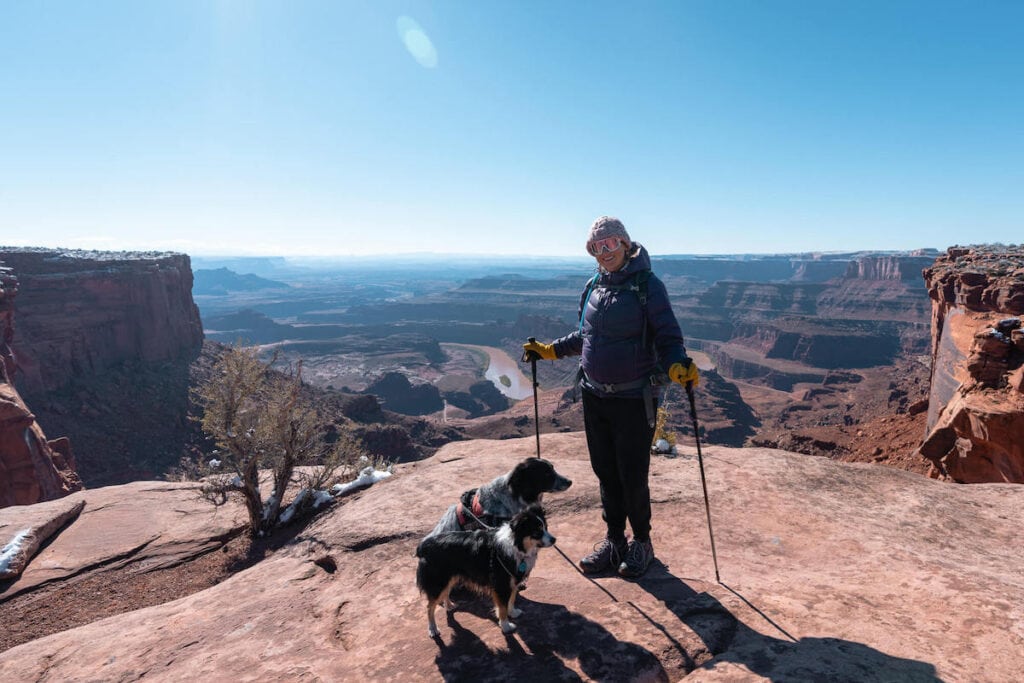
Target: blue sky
pixel 382 127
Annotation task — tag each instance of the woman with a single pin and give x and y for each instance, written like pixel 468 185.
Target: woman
pixel 628 337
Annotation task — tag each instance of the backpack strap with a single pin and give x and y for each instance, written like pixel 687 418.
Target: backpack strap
pixel 640 281
pixel 586 299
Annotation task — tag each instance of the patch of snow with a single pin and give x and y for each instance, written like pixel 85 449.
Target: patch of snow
pixel 266 507
pixel 321 497
pixel 367 477
pixel 663 447
pixel 289 512
pixel 214 462
pixel 12 549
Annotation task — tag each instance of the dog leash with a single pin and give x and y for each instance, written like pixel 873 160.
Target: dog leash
pixel 518 576
pixel 477 519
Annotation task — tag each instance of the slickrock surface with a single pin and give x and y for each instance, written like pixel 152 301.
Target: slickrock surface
pixel 25 528
pixel 145 524
pixel 830 571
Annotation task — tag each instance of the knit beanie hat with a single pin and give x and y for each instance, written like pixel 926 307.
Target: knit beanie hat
pixel 608 226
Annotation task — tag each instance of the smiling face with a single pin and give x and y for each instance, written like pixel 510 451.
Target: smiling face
pixel 613 260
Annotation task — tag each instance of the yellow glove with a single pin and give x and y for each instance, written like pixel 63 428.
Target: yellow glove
pixel 539 350
pixel 684 373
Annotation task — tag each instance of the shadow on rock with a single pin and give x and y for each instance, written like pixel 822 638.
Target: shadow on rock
pixel 547 634
pixel 784 658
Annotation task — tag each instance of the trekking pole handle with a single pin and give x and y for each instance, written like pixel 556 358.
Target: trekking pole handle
pixel 529 356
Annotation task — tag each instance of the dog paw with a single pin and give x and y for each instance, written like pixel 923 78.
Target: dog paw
pixel 507 627
pixel 521 587
pixel 433 632
pixel 515 612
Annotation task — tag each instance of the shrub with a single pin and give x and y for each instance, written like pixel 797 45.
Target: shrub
pixel 263 428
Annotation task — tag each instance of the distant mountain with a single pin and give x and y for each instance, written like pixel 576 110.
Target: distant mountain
pixel 222 281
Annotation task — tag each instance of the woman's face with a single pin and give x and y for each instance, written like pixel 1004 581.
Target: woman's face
pixel 613 259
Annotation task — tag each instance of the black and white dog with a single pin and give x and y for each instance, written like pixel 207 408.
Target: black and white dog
pixel 501 498
pixel 491 561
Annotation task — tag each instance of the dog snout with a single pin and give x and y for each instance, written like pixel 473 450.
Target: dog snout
pixel 548 540
pixel 562 483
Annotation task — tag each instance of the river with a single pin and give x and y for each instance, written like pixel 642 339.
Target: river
pixel 521 386
pixel 501 364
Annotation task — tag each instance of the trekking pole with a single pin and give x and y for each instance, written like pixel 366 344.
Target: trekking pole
pixel 532 357
pixel 703 482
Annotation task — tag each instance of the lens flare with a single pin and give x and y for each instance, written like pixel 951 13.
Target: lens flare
pixel 417 42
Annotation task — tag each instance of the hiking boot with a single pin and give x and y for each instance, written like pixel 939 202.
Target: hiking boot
pixel 607 553
pixel 638 557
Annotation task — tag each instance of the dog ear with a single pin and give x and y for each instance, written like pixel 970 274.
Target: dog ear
pixel 531 478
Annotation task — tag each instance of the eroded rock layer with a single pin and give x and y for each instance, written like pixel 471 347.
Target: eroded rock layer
pixel 975 429
pixel 102 354
pixel 32 469
pixel 81 312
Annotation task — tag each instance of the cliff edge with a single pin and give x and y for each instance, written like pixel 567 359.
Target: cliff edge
pixel 32 469
pixel 102 351
pixel 80 312
pixel 975 427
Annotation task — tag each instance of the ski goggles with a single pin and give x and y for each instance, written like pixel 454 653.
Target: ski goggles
pixel 598 247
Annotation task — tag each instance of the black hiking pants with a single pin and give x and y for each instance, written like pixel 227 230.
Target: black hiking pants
pixel 619 440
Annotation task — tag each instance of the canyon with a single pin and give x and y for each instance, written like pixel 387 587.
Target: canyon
pixel 823 354
pixel 786 342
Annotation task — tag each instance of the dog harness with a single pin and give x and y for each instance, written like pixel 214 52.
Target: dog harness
pixel 476 509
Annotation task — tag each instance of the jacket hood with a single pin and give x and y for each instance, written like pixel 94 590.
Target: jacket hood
pixel 639 261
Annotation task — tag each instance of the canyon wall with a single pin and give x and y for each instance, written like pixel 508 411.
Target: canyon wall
pixel 975 427
pixel 102 349
pixel 32 469
pixel 81 312
pixel 870 311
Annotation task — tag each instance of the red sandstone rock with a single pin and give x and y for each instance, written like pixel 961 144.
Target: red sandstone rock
pixel 23 529
pixel 830 572
pixel 30 470
pixel 80 312
pixel 976 411
pixel 145 525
